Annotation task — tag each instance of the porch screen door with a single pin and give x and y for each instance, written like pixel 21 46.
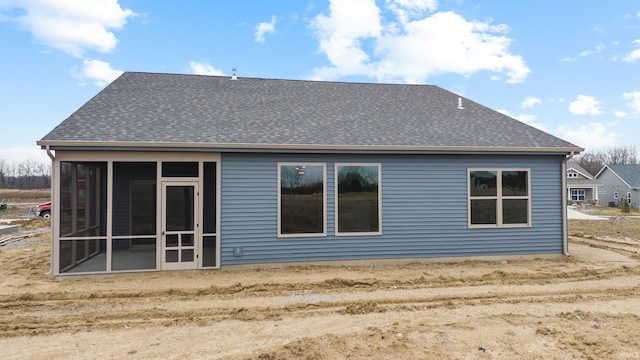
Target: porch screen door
pixel 180 231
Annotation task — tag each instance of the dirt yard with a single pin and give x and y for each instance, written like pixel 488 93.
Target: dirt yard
pixel 583 307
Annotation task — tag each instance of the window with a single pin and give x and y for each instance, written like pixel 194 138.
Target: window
pixel 301 199
pixel 499 197
pixel 577 194
pixel 358 199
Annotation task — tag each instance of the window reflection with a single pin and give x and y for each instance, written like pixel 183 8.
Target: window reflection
pixel 358 207
pixel 302 199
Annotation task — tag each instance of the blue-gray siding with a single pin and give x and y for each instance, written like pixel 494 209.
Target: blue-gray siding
pixel 424 210
pixel 611 184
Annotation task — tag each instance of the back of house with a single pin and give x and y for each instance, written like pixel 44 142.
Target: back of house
pixel 169 171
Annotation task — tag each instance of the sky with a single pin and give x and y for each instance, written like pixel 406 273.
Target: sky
pixel 570 68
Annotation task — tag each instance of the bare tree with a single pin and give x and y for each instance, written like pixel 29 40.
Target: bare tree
pixel 617 155
pixel 591 162
pixel 622 155
pixel 3 166
pixel 28 174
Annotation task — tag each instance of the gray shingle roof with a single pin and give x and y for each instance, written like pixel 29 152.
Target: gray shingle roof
pixel 574 165
pixel 193 109
pixel 629 173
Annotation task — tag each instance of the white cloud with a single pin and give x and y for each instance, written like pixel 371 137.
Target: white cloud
pixel 411 50
pixel 16 155
pixel 530 102
pixel 620 114
pixel 634 100
pixel 528 119
pixel 597 49
pixel 265 28
pixel 590 136
pixel 634 55
pixel 99 72
pixel 204 69
pixel 585 105
pixel 72 26
pixel 406 9
pixel 340 34
pixel 585 53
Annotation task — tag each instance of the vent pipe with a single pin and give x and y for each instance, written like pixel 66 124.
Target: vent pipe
pixel 233 75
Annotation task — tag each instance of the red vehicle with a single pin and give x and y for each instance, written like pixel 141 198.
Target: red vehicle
pixel 44 210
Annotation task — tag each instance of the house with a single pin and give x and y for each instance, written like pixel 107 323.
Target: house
pixel 582 187
pixel 620 182
pixel 167 171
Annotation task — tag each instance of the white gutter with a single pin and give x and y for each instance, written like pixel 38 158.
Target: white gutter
pixel 53 216
pixel 565 222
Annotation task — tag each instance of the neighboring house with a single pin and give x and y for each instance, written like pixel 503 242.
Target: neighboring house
pixel 620 182
pixel 165 171
pixel 582 187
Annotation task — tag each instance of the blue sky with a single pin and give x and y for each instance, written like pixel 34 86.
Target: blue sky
pixel 571 68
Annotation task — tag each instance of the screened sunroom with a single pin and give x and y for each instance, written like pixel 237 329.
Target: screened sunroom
pixel 134 212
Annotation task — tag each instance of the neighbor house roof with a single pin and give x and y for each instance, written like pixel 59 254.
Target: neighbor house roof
pixel 630 174
pixel 581 182
pixel 186 111
pixel 572 165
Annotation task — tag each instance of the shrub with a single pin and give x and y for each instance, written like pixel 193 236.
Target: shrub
pixel 625 206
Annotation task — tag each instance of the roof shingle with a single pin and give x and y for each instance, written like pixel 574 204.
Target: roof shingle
pixel 172 108
pixel 629 173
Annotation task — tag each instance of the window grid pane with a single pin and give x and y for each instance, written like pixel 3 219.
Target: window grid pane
pixel 483 183
pixel 515 211
pixel 483 211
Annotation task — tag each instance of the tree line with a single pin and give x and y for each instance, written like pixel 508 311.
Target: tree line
pixel 26 175
pixel 593 162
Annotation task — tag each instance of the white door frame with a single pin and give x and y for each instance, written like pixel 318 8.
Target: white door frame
pixel 181 247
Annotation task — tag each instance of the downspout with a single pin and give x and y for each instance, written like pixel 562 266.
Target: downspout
pixel 53 218
pixel 565 222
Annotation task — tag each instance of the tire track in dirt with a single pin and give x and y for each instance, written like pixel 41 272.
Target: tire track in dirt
pixel 72 314
pixel 630 249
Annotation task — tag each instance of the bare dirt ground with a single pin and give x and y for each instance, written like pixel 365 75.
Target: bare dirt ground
pixel 586 306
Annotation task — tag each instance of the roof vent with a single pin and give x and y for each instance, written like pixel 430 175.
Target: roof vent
pixel 460 104
pixel 233 75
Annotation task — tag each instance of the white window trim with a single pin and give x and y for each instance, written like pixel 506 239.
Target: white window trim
pixel 335 202
pixel 499 218
pixel 324 200
pixel 578 193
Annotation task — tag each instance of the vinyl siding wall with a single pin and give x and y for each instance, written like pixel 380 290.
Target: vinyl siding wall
pixel 612 183
pixel 424 210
